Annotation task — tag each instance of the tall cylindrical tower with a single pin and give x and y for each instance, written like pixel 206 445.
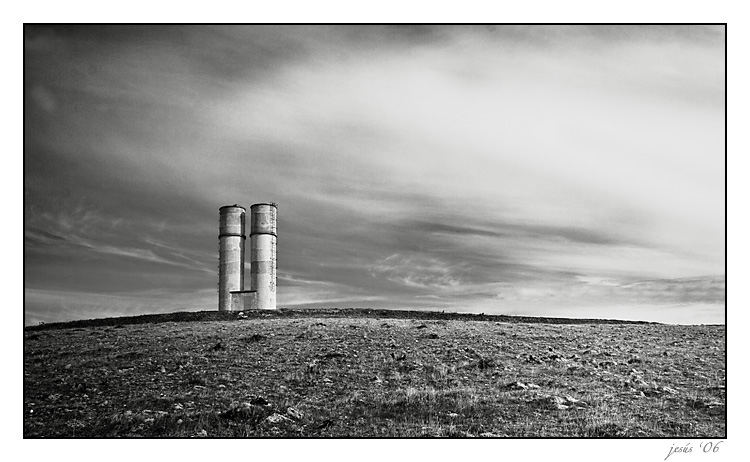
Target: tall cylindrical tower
pixel 263 254
pixel 231 253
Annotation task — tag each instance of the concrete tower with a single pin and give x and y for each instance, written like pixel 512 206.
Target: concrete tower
pixel 231 253
pixel 263 254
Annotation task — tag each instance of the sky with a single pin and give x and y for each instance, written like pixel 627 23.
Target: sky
pixel 566 171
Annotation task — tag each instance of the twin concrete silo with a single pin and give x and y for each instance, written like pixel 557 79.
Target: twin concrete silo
pixel 262 292
pixel 263 254
pixel 231 253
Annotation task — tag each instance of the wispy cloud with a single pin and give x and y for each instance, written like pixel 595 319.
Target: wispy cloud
pixel 418 271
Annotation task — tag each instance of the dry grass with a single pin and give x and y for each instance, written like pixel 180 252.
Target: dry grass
pixel 320 377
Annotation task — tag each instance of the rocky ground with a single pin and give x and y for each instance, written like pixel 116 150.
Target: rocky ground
pixel 319 375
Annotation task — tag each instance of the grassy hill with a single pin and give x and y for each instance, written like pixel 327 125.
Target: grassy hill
pixel 334 373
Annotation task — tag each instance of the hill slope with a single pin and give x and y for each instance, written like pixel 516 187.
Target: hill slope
pixel 336 373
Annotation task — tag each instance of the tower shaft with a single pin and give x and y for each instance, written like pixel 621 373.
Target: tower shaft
pixel 231 253
pixel 263 254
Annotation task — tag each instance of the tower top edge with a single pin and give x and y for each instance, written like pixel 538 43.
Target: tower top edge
pixel 235 206
pixel 272 204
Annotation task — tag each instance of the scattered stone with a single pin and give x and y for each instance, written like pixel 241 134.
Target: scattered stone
pixel 557 402
pixel 254 338
pixel 452 415
pixel 163 370
pixel 80 387
pixel 295 413
pixel 68 366
pixel 703 404
pixel 240 411
pixel 433 335
pixel 202 434
pixel 533 360
pixel 489 435
pixel 400 356
pixel 178 407
pixel 515 386
pixel 569 400
pixel 241 315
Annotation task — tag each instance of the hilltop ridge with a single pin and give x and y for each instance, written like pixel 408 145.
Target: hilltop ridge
pixel 193 316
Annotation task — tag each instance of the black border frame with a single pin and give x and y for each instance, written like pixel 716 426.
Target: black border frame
pixel 726 321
